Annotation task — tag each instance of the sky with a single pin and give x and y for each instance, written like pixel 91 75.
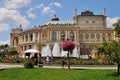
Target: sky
pixel 32 13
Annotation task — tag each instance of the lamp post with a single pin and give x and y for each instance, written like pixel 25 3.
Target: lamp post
pixel 79 48
pixel 63 36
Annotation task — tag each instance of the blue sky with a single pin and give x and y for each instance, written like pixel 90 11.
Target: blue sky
pixel 36 12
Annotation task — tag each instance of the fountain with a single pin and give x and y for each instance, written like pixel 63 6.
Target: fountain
pixel 64 53
pixel 43 51
pixel 46 51
pixel 56 50
pixel 75 53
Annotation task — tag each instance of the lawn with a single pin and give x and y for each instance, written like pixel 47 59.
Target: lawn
pixel 57 74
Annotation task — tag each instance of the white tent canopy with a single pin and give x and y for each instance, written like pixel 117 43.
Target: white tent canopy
pixel 31 51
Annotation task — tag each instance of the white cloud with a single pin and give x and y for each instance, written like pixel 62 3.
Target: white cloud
pixel 111 21
pixel 57 4
pixel 47 10
pixel 30 10
pixel 4 27
pixel 5 42
pixel 9 14
pixel 16 4
pixel 30 14
pixel 50 8
pixel 40 6
pixel 11 17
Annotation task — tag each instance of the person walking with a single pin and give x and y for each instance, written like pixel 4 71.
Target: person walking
pixel 47 59
pixel 63 62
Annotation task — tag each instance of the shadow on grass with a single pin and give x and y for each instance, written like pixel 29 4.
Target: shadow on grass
pixel 2 69
pixel 114 74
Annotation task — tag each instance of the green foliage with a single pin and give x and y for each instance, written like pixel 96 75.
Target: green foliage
pixel 113 51
pixel 57 74
pixel 9 53
pixel 13 52
pixel 95 61
pixel 1 53
pixel 11 60
pixel 117 27
pixel 28 64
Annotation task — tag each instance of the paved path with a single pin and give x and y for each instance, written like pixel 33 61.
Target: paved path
pixel 3 66
pixel 83 67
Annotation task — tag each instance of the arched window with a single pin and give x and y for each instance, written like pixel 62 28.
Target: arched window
pixel 81 37
pixel 44 36
pixel 62 36
pixel 72 35
pixel 103 35
pixel 31 37
pixel 87 36
pixel 109 36
pixel 54 35
pixel 92 37
pixel 15 41
pixel 98 36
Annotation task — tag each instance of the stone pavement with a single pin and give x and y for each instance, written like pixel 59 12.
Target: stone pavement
pixel 83 67
pixel 4 66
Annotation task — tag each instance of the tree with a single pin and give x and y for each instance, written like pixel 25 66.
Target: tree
pixel 117 28
pixel 102 48
pixel 115 54
pixel 68 46
pixel 111 49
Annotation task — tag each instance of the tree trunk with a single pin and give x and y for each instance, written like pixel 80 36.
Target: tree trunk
pixel 118 69
pixel 68 60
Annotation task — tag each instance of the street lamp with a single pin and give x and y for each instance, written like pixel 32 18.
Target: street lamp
pixel 79 48
pixel 62 36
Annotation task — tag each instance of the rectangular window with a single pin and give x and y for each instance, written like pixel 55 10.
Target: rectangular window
pixel 81 39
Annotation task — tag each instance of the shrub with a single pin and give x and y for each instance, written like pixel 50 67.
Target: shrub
pixel 28 64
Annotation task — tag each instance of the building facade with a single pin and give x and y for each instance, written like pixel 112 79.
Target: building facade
pixel 86 30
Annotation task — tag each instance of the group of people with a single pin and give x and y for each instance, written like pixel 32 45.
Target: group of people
pixel 49 59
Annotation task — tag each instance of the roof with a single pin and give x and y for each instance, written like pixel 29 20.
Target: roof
pixel 60 23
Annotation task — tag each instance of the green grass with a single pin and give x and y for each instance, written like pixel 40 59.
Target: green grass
pixel 57 74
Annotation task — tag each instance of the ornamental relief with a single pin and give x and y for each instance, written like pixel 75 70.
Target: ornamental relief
pixel 97 35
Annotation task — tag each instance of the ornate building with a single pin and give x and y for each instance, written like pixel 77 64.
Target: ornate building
pixel 86 30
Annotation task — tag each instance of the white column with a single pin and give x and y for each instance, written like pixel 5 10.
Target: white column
pixel 75 36
pixel 38 36
pixel 57 37
pixel 33 36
